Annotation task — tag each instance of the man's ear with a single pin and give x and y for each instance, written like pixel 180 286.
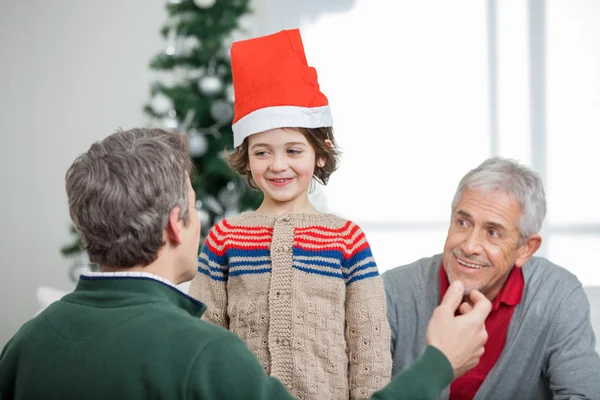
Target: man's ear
pixel 527 249
pixel 173 226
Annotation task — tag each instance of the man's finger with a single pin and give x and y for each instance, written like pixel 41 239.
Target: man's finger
pixel 465 308
pixel 481 305
pixel 453 296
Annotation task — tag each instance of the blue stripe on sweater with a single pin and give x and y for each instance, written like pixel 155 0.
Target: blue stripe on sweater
pixel 358 257
pixel 368 265
pixel 337 254
pixel 220 260
pixel 239 272
pixel 246 263
pixel 234 252
pixel 320 272
pixel 207 265
pixel 318 267
pixel 361 277
pixel 206 272
pixel 319 263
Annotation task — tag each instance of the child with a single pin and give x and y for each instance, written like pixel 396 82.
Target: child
pixel 300 287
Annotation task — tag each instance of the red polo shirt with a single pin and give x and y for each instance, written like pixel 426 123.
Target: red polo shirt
pixel 496 324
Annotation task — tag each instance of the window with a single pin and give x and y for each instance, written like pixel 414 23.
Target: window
pixel 425 93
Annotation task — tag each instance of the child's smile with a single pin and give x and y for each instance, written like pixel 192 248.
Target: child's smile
pixel 280 182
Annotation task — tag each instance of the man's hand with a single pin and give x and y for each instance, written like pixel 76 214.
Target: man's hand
pixel 460 338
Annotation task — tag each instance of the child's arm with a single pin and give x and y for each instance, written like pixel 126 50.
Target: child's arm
pixel 210 284
pixel 367 328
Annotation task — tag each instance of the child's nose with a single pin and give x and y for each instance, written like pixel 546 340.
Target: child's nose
pixel 278 164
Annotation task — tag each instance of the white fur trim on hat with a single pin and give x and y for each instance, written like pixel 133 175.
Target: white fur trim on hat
pixel 275 117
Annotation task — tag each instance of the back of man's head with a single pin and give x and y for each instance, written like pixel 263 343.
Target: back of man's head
pixel 122 190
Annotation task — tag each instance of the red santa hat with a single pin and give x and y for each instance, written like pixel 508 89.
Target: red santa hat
pixel 274 87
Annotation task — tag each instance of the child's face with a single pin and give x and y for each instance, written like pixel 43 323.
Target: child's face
pixel 282 163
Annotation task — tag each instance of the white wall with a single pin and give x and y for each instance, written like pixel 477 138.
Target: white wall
pixel 71 72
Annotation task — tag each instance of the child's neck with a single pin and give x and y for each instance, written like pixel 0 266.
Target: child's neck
pixel 269 206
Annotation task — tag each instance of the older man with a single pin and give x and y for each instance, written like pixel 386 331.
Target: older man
pixel 541 343
pixel 128 333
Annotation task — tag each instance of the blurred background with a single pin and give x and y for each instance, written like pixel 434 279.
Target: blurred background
pixel 421 92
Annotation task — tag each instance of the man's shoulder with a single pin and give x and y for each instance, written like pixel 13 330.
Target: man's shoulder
pixel 422 269
pixel 28 329
pixel 540 272
pixel 179 323
pixel 202 342
pixel 550 286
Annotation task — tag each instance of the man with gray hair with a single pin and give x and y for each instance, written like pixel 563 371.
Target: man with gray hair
pixel 541 343
pixel 128 333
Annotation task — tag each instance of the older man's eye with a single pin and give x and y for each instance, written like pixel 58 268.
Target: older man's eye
pixel 493 233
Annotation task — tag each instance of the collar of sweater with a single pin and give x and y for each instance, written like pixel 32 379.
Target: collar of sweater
pixel 119 290
pixel 270 219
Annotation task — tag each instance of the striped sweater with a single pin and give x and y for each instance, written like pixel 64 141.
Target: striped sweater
pixel 304 293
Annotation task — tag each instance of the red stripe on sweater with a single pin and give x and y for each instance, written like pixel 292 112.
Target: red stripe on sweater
pixel 349 239
pixel 238 242
pixel 347 253
pixel 225 235
pixel 240 237
pixel 229 246
pixel 339 242
pixel 319 236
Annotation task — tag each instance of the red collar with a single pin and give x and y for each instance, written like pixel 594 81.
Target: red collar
pixel 510 294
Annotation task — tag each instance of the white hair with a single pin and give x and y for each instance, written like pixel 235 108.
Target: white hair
pixel 520 182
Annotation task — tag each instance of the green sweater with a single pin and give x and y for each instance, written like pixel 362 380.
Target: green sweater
pixel 137 338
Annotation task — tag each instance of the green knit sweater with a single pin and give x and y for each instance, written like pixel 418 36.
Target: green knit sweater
pixel 138 338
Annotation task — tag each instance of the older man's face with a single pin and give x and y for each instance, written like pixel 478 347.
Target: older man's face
pixel 482 245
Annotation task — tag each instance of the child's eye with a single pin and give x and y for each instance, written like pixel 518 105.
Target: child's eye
pixel 294 151
pixel 260 153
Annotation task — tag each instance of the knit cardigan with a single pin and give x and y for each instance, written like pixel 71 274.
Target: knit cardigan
pixel 303 291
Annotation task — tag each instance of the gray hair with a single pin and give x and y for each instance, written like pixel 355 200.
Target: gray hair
pixel 122 190
pixel 514 179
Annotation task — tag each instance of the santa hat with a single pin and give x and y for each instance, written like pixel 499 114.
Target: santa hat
pixel 274 87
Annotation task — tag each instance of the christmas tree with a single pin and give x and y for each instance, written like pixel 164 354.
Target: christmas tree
pixel 199 102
